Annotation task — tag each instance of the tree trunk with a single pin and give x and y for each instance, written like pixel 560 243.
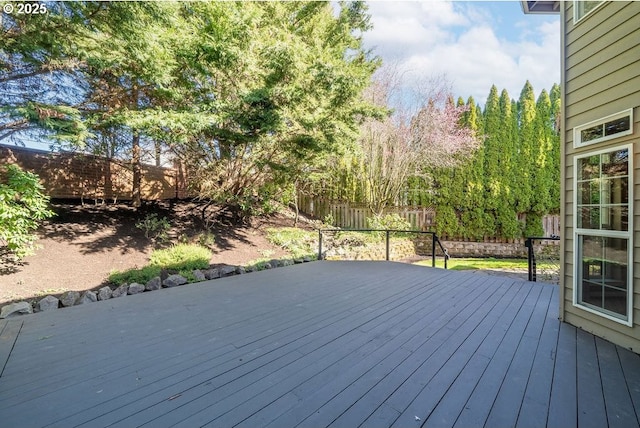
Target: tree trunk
pixel 136 198
pixel 158 153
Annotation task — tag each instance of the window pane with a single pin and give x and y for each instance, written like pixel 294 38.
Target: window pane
pixel 592 247
pixel 615 191
pixel 614 218
pixel 592 133
pixel 615 163
pixel 589 168
pixel 603 283
pixel 589 192
pixel 589 217
pixel 618 125
pixel 584 7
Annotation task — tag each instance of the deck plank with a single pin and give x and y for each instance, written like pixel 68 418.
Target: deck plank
pixel 535 403
pixel 620 410
pixel 563 403
pixel 591 407
pixel 337 344
pixel 479 405
pixel 9 331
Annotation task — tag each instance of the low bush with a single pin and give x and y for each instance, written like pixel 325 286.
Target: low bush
pixel 181 258
pixel 154 227
pixel 298 242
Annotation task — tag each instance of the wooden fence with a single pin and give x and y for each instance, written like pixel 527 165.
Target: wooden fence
pixel 89 177
pixel 349 216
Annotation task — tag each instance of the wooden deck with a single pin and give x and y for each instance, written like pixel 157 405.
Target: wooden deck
pixel 340 344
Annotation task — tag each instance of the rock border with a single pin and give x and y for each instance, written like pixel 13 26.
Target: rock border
pixel 74 298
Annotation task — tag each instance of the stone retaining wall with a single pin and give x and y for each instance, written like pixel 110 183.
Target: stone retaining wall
pixel 481 249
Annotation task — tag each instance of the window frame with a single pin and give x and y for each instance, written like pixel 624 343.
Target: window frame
pixel 576 18
pixel 605 233
pixel 577 131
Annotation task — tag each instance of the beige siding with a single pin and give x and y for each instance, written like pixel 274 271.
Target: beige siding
pixel 601 76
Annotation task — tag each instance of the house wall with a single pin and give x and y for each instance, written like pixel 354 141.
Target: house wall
pixel 601 76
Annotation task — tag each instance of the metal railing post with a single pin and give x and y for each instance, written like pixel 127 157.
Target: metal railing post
pixel 531 261
pixel 433 250
pixel 387 231
pixel 319 244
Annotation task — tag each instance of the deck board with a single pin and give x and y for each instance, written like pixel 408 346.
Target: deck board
pixel 338 344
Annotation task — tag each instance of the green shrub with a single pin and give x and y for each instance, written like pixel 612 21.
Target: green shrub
pixel 298 242
pixel 207 239
pixel 154 227
pixel 181 258
pixel 389 221
pixel 141 276
pixel 22 205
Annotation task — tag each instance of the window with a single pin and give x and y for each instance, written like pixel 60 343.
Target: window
pixel 583 8
pixel 602 210
pixel 613 126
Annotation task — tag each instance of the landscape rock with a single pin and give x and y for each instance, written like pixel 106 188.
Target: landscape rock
pixel 19 308
pixel 297 261
pixel 267 265
pixel 135 288
pixel 240 270
pixel 105 293
pixel 174 281
pixel 287 262
pixel 212 273
pixel 153 284
pixel 120 291
pixel 306 259
pixel 227 270
pixel 251 268
pixel 275 263
pixel 199 275
pixel 48 303
pixel 69 298
pixel 87 297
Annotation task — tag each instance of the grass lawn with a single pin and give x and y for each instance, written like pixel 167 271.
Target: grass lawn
pixel 479 263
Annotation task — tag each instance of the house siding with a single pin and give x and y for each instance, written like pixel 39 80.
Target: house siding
pixel 601 76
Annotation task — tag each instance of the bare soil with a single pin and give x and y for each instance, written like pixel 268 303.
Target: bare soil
pixel 83 244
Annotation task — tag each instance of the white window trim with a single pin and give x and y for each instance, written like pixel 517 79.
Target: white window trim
pixel 576 18
pixel 577 139
pixel 604 233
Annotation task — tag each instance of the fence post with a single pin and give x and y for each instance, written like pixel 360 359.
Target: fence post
pixel 319 244
pixel 387 232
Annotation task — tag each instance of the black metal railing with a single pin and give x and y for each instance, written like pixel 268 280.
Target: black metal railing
pixel 435 241
pixel 545 262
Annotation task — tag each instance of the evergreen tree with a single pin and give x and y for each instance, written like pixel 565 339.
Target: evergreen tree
pixel 554 158
pixel 493 154
pixel 506 215
pixel 526 156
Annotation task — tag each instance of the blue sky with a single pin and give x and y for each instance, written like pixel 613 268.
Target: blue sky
pixel 474 43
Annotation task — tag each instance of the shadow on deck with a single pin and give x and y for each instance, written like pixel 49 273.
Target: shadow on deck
pixel 341 344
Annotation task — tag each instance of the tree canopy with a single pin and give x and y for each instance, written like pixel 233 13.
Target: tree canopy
pixel 246 94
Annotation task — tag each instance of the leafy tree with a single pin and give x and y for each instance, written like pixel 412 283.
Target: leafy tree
pixel 280 85
pixel 22 205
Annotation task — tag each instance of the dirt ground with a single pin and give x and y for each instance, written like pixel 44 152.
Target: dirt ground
pixel 81 245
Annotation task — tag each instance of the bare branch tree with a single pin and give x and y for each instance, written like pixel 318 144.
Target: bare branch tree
pixel 421 133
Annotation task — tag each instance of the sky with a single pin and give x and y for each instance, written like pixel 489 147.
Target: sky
pixel 475 44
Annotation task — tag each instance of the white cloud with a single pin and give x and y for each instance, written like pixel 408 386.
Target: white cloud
pixel 463 42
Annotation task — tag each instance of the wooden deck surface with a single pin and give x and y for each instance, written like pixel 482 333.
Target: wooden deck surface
pixel 339 344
